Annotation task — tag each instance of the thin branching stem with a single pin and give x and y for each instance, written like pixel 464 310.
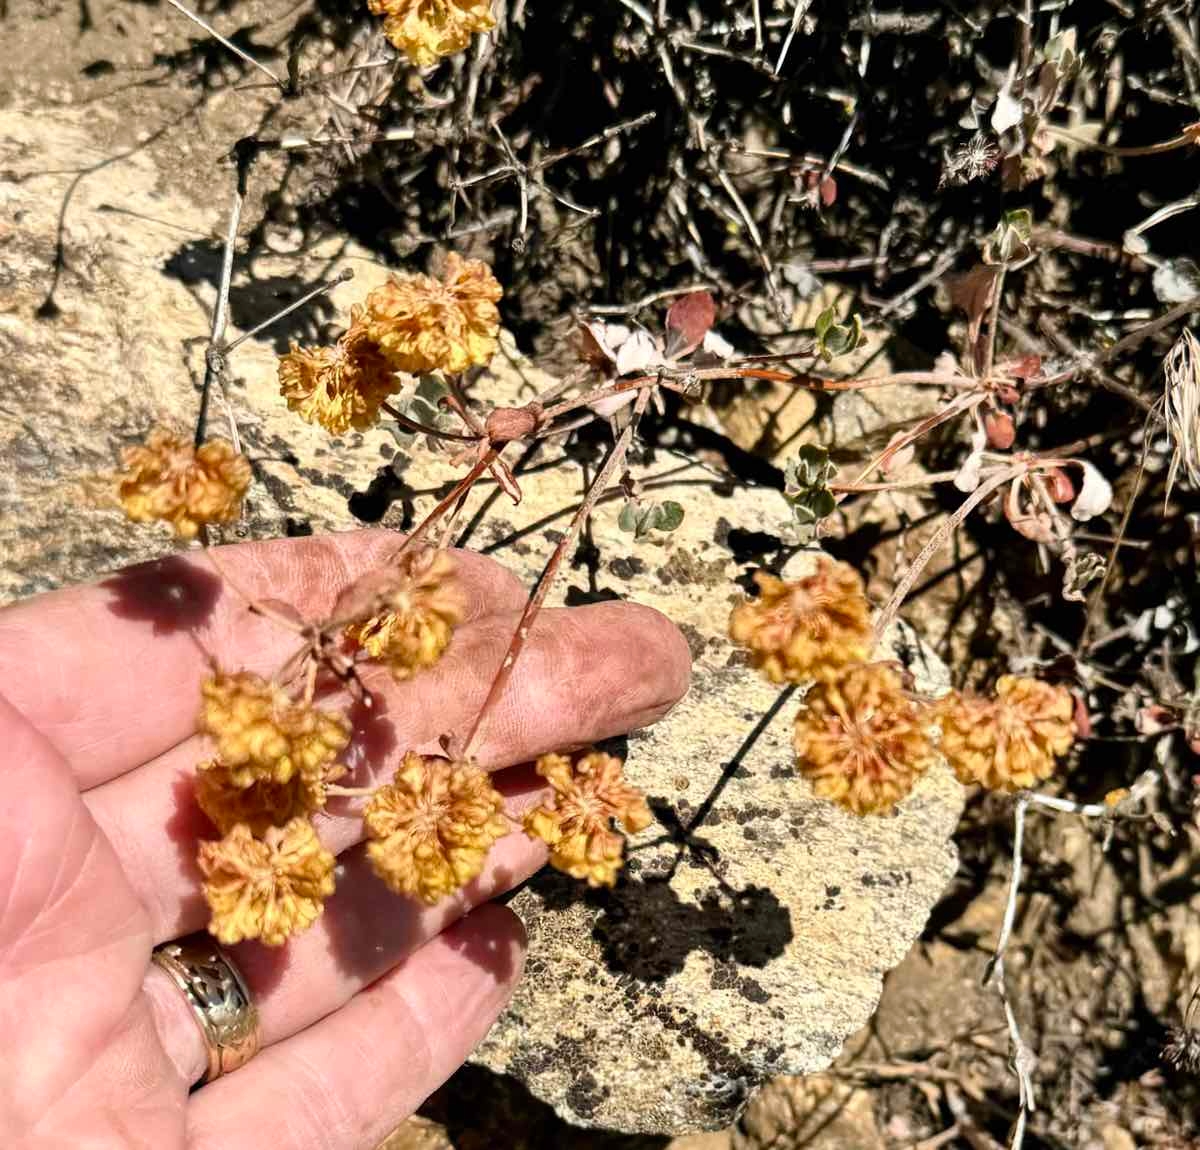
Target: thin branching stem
pixel 598 486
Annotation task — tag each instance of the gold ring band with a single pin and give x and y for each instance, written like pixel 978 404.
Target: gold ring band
pixel 218 998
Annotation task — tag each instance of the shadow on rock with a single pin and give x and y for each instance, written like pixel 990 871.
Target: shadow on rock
pixel 647 931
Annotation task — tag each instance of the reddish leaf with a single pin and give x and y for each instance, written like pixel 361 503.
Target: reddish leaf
pixel 972 291
pixel 1023 368
pixel 688 321
pixel 1059 485
pixel 1000 430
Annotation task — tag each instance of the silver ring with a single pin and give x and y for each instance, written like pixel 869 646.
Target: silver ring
pixel 218 998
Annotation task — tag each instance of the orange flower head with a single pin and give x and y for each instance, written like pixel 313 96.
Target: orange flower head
pixel 424 325
pixel 426 30
pixel 862 741
pixel 339 387
pixel 266 888
pixel 422 610
pixel 168 478
pixel 589 794
pixel 432 826
pixel 808 629
pixel 1012 741
pixel 263 734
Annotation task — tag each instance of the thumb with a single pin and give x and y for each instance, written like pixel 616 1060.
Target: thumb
pixel 74 940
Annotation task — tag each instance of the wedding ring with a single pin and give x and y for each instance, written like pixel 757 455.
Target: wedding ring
pixel 218 998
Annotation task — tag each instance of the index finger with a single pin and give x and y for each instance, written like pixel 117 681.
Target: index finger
pixel 109 671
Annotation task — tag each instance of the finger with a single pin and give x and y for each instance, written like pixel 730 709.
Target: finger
pixel 365 930
pixel 346 1082
pixel 587 673
pixel 68 920
pixel 109 671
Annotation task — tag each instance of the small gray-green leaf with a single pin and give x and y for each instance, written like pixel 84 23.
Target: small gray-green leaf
pixel 671 517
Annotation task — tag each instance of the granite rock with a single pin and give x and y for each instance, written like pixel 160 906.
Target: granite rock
pixel 752 931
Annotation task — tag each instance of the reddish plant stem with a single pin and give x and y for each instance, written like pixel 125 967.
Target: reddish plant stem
pixel 425 429
pixel 459 492
pixel 517 644
pixel 956 407
pixel 888 614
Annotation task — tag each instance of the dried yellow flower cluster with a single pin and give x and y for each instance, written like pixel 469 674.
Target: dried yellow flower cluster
pixel 431 828
pixel 589 795
pixel 412 325
pixel 267 877
pixel 808 629
pixel 261 733
pixel 339 387
pixel 420 615
pixel 267 888
pixel 264 803
pixel 426 30
pixel 168 478
pixel 1009 742
pixel 862 741
pixel 423 324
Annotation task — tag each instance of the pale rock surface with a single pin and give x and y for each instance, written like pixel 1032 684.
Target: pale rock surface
pixel 746 947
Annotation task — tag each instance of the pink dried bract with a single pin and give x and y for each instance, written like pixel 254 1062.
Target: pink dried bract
pixel 263 734
pixel 589 796
pixel 423 324
pixel 168 478
pixel 431 828
pixel 268 888
pixel 811 628
pixel 1009 742
pixel 862 741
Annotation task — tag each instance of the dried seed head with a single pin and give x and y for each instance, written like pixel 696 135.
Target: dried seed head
pixel 261 733
pixel 423 324
pixel 421 609
pixel 808 629
pixel 426 30
pixel 264 803
pixel 1009 742
pixel 1182 1049
pixel 431 828
pixel 589 794
pixel 862 741
pixel 268 888
pixel 339 387
pixel 168 478
pixel 1181 370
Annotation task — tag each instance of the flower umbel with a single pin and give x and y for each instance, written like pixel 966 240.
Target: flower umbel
pixel 268 888
pixel 170 479
pixel 862 741
pixel 589 795
pixel 423 324
pixel 264 803
pixel 339 387
pixel 422 611
pixel 1011 742
pixel 808 629
pixel 432 826
pixel 263 734
pixel 425 30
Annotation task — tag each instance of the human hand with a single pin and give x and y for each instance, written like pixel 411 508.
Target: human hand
pixel 366 1013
